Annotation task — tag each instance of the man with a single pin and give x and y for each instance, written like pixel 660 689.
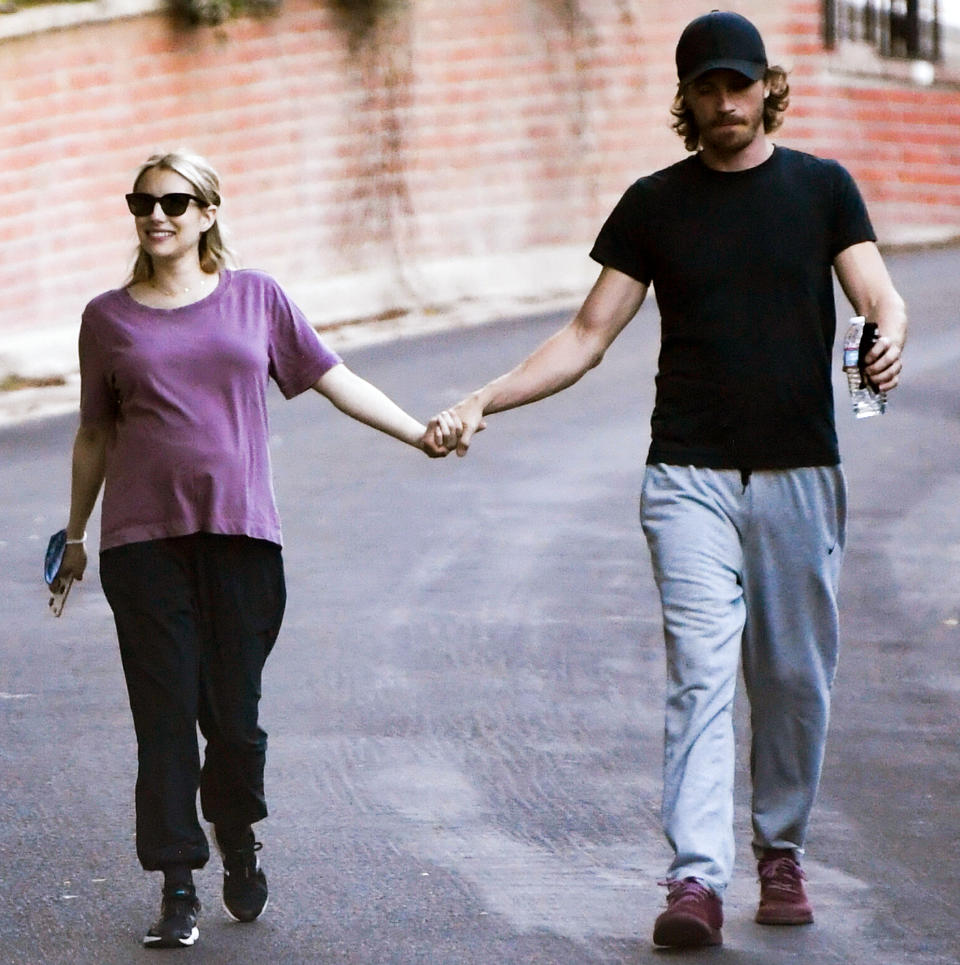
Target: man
pixel 743 503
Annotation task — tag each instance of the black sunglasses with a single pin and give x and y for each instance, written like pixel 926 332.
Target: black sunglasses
pixel 172 205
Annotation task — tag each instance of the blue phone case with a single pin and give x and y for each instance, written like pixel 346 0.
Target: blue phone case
pixel 54 556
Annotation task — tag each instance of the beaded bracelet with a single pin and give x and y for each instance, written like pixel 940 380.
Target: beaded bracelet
pixel 77 542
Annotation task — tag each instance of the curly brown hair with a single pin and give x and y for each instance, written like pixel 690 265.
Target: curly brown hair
pixel 774 107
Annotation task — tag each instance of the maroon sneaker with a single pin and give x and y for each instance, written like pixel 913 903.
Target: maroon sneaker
pixel 694 916
pixel 783 900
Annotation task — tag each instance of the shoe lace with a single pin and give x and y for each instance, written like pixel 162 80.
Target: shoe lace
pixel 242 862
pixel 782 873
pixel 687 890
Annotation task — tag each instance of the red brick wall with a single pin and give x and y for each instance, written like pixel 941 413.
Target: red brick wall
pixel 468 132
pixel 900 140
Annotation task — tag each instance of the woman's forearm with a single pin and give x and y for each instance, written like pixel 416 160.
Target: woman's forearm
pixel 87 472
pixel 364 402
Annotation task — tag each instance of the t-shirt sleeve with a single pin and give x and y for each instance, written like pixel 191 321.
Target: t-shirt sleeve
pixel 851 221
pixel 620 244
pixel 98 402
pixel 298 356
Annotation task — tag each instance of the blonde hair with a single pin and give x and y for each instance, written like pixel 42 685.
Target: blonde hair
pixel 774 107
pixel 214 251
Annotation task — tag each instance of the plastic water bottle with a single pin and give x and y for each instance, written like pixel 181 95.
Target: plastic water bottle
pixel 864 396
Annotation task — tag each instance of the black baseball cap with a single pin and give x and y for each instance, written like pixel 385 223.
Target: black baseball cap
pixel 720 40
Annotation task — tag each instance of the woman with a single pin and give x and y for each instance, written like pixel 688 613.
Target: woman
pixel 174 371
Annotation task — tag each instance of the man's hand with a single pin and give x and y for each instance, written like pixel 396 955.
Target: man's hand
pixel 453 428
pixel 883 364
pixel 867 285
pixel 468 414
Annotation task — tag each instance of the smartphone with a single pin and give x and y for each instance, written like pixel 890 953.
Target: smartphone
pixel 59 597
pixel 51 566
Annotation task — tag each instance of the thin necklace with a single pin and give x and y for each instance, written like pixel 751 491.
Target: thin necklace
pixel 181 291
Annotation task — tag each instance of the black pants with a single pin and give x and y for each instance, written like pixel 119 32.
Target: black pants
pixel 196 617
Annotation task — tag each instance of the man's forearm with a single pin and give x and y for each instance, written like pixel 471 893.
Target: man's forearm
pixel 558 363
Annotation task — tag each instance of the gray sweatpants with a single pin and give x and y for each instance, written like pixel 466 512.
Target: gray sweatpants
pixel 744 566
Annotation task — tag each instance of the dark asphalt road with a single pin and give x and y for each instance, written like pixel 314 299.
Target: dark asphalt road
pixel 465 702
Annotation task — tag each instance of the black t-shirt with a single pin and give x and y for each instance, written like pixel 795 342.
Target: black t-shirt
pixel 741 268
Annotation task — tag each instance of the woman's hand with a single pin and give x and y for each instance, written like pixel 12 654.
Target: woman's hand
pixel 442 434
pixel 73 565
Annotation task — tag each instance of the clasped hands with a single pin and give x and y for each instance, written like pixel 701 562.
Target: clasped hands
pixel 452 429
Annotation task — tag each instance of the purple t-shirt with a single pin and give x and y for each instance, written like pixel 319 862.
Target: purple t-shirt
pixel 186 390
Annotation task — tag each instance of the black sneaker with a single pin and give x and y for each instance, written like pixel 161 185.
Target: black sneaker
pixel 244 883
pixel 177 925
